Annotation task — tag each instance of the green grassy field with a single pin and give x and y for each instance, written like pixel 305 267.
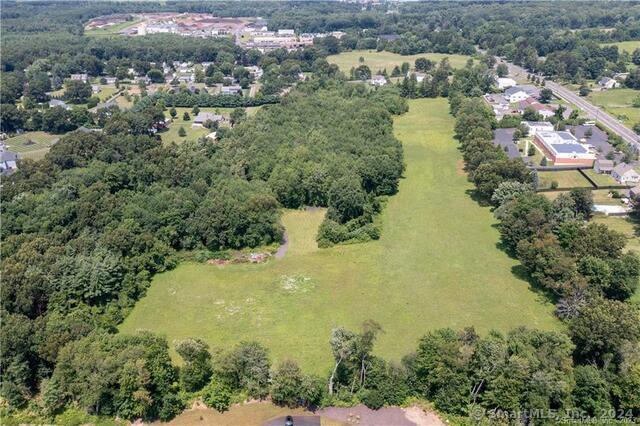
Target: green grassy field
pixel 194 133
pixel 564 178
pixel 618 102
pixel 43 141
pixel 111 30
pixel 625 46
pixel 602 179
pixel 437 264
pixel 377 61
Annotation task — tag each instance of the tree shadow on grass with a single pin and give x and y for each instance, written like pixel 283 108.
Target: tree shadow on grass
pixel 482 201
pixel 542 294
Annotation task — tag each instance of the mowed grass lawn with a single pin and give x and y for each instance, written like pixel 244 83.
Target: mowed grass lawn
pixel 625 46
pixel 437 264
pixel 378 61
pixel 192 133
pixel 618 102
pixel 564 179
pixel 42 142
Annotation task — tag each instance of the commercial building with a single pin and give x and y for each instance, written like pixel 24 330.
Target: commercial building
pixel 563 149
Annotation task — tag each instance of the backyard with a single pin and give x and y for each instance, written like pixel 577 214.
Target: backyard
pixel 31 145
pixel 563 178
pixel 437 264
pixel 378 61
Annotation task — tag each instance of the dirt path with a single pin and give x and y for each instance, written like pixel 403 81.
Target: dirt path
pixel 282 250
pixel 386 416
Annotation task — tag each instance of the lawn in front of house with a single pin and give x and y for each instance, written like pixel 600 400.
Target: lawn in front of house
pixel 378 61
pixel 32 145
pixel 192 133
pixel 564 178
pixel 437 264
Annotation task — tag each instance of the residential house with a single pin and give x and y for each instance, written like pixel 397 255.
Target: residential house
pixel 203 117
pixel 625 174
pixel 608 83
pixel 378 80
pixel 231 90
pixel 520 93
pixel 544 110
pixel 110 80
pixel 142 79
pixel 634 192
pixel 8 161
pixel 604 167
pixel 95 88
pixel 420 76
pixel 286 32
pixel 80 77
pixel 255 71
pixel 534 127
pixel 505 83
pixel 58 103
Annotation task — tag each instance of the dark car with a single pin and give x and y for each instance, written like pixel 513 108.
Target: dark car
pixel 288 421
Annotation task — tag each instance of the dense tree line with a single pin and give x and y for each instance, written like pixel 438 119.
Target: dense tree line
pixel 188 99
pixel 582 266
pixel 307 157
pixel 87 227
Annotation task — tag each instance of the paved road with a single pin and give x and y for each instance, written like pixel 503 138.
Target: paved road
pixel 596 113
pixel 587 107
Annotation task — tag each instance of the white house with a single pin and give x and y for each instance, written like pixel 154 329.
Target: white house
pixel 625 174
pixel 58 103
pixel 420 76
pixel 534 127
pixel 378 80
pixel 505 83
pixel 520 93
pixel 608 83
pixel 80 77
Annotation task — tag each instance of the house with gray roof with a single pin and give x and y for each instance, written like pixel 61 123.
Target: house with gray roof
pixel 58 103
pixel 603 166
pixel 203 117
pixel 521 92
pixel 625 174
pixel 8 161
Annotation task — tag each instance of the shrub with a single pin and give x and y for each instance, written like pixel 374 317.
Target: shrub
pixel 554 184
pixel 217 395
pixel 372 399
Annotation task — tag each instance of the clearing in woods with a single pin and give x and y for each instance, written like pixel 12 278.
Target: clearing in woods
pixel 378 61
pixel 437 264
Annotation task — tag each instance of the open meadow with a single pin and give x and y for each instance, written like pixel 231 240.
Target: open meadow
pixel 625 46
pixel 619 103
pixel 378 61
pixel 437 264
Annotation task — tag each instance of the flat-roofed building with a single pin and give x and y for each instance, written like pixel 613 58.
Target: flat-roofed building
pixel 563 149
